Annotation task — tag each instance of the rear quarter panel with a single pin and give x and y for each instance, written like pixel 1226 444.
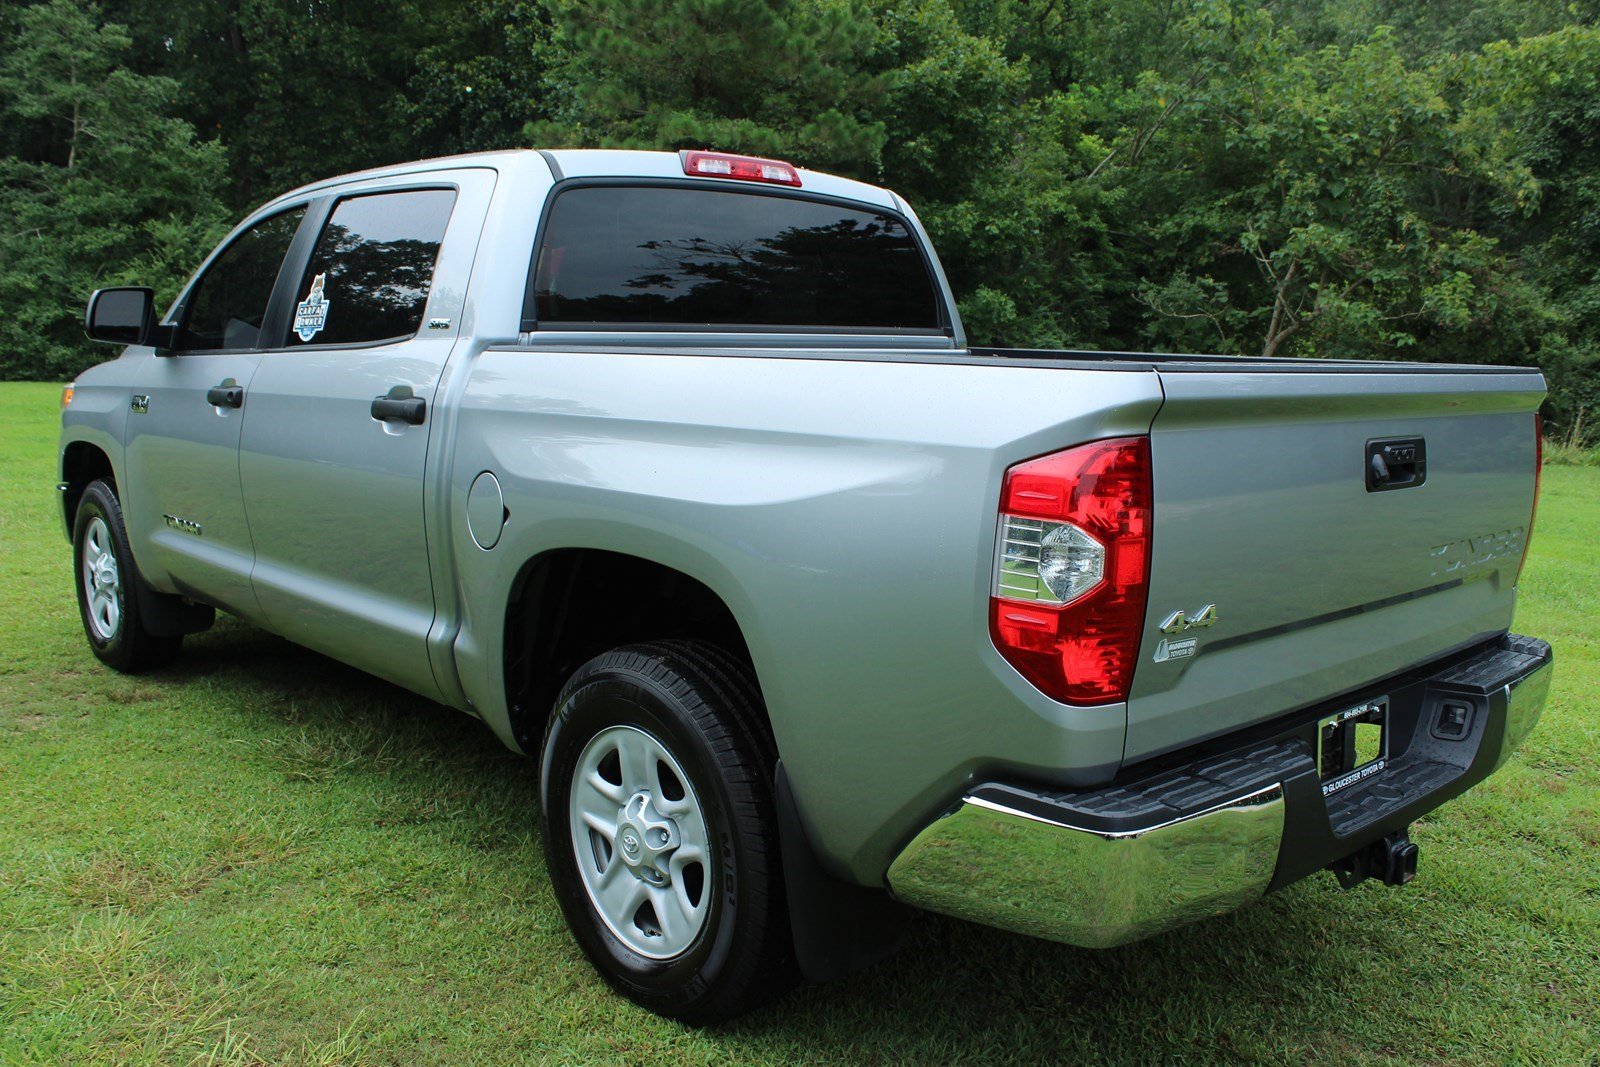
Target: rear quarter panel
pixel 844 509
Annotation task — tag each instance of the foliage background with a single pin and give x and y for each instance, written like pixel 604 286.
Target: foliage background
pixel 1369 178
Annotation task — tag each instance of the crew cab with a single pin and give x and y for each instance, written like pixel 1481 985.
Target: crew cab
pixel 678 472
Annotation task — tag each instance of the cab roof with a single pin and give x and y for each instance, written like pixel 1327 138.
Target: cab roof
pixel 565 163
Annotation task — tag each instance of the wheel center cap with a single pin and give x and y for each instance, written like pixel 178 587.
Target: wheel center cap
pixel 646 839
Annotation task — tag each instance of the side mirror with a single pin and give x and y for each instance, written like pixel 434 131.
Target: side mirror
pixel 121 316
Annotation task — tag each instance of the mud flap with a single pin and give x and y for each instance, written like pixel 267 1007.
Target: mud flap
pixel 839 928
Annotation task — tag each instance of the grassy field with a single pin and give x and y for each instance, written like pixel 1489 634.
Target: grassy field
pixel 260 856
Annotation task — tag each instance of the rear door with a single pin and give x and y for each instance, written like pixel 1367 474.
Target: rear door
pixel 1288 567
pixel 333 481
pixel 183 504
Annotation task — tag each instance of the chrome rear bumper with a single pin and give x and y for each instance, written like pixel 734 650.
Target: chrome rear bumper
pixel 1108 866
pixel 994 865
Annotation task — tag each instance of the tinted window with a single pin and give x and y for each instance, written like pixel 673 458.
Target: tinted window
pixel 686 256
pixel 369 274
pixel 226 306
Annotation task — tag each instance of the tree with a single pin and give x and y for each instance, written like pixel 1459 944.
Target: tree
pixel 1535 106
pixel 1313 202
pixel 98 184
pixel 482 79
pixel 995 158
pixel 1434 28
pixel 304 89
pixel 769 77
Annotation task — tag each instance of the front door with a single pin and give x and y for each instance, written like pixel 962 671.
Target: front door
pixel 333 453
pixel 183 504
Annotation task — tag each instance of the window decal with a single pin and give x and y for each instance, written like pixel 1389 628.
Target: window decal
pixel 311 314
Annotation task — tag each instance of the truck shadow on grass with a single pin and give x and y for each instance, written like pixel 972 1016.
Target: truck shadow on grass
pixel 320 721
pixel 1307 972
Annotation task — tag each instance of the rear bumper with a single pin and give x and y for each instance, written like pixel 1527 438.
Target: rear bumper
pixel 1218 826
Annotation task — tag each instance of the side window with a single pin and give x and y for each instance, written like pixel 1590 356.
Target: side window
pixel 369 274
pixel 226 306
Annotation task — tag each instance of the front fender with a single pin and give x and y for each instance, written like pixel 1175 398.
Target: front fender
pixel 97 418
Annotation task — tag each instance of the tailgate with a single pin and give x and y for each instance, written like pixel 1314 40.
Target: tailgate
pixel 1324 578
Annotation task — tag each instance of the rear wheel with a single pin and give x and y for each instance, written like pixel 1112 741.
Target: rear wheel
pixel 108 588
pixel 661 833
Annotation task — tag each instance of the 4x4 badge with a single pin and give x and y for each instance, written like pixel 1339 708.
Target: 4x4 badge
pixel 1180 621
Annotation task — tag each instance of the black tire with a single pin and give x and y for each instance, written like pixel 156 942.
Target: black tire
pixel 703 707
pixel 125 645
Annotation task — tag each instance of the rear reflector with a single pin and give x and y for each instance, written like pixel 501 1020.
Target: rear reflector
pixel 1073 569
pixel 744 168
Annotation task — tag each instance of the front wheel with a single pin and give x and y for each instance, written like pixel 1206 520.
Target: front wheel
pixel 108 590
pixel 660 830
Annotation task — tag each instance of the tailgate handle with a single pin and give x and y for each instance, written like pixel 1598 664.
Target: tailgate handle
pixel 1396 463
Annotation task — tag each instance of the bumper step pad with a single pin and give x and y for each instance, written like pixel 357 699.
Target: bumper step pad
pixel 1163 798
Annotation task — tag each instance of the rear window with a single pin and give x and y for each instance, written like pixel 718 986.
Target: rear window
pixel 680 256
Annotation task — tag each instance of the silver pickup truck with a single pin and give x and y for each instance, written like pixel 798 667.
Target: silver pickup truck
pixel 677 471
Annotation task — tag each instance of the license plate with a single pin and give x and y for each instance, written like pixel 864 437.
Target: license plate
pixel 1352 745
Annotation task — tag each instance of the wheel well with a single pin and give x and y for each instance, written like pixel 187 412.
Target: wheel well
pixel 570 605
pixel 82 463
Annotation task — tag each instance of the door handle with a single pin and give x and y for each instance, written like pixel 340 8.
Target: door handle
pixel 411 409
pixel 226 396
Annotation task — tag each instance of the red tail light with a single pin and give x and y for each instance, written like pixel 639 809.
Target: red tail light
pixel 744 168
pixel 1538 476
pixel 1073 569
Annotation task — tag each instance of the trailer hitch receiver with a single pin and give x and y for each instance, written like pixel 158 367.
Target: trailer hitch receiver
pixel 1392 859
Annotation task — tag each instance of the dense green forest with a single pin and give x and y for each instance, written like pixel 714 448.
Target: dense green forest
pixel 1367 178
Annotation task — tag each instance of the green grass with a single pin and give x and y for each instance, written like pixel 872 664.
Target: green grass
pixel 1565 454
pixel 260 856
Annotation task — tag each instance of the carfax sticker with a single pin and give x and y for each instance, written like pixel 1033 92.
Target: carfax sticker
pixel 311 314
